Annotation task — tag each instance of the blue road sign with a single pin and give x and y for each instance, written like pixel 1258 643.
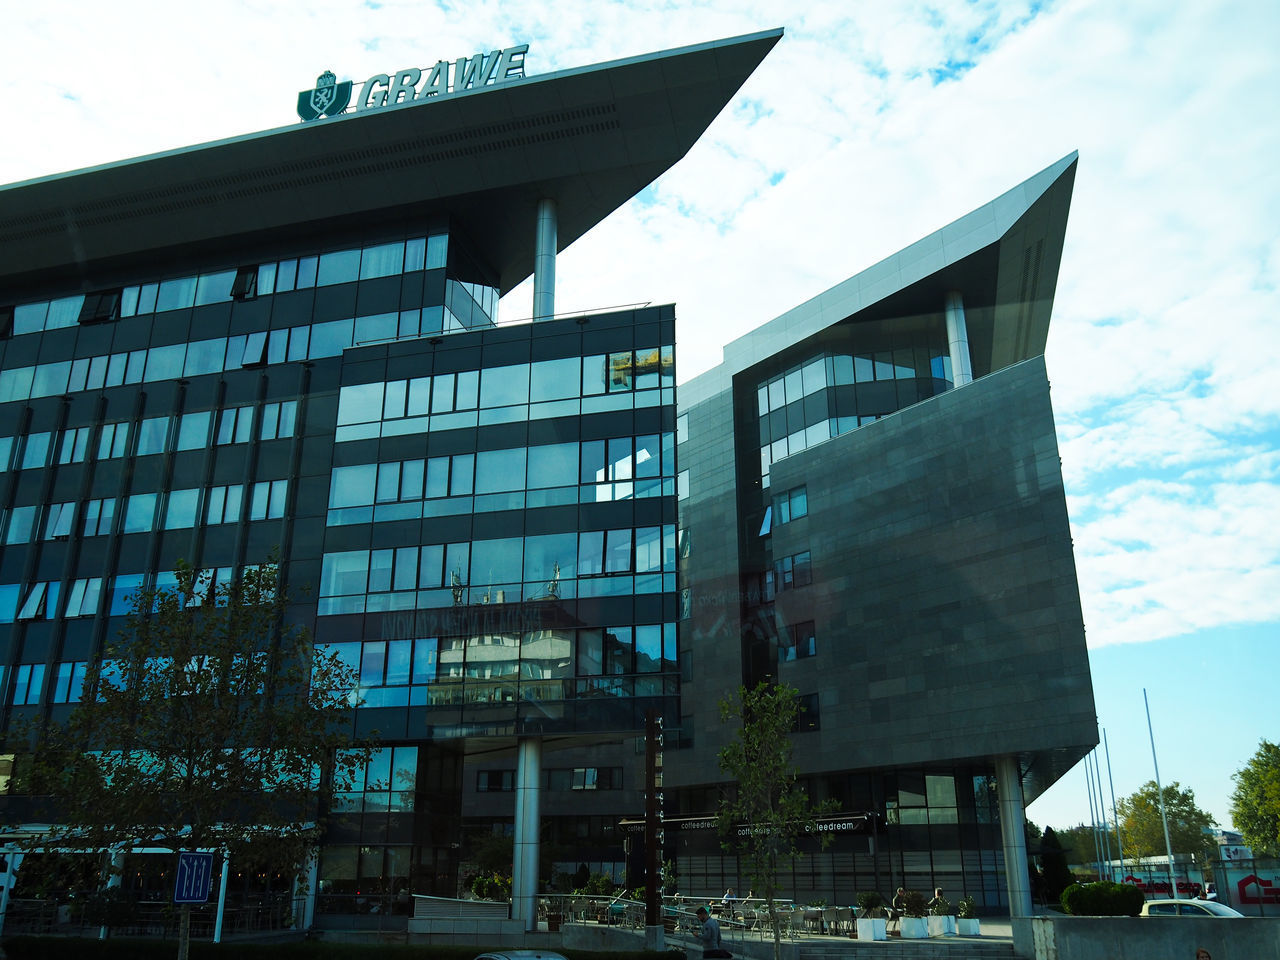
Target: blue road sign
pixel 195 872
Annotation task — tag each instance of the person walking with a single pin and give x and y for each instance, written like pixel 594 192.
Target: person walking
pixel 709 936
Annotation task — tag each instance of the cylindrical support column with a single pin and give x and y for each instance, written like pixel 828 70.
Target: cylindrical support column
pixel 958 341
pixel 524 866
pixel 544 262
pixel 1013 834
pixel 313 878
pixel 222 897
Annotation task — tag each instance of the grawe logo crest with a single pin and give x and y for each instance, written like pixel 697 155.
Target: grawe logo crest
pixel 328 99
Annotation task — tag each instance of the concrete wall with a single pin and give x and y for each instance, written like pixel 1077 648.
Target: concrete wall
pixel 1146 938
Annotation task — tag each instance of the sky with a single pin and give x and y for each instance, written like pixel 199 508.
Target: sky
pixel 872 124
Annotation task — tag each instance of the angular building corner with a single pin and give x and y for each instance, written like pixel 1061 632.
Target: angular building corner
pixel 884 528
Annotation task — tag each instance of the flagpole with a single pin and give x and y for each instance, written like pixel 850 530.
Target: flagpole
pixel 1168 847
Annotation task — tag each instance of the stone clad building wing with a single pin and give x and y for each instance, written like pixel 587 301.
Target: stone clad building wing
pixel 876 517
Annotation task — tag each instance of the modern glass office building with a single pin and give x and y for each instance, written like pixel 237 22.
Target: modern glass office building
pixel 287 344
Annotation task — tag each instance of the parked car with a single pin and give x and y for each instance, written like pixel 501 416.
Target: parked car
pixel 1188 908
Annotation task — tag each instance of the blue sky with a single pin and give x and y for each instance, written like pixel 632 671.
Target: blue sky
pixel 869 126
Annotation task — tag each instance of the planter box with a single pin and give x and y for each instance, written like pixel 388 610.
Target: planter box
pixel 969 927
pixel 941 926
pixel 914 928
pixel 872 928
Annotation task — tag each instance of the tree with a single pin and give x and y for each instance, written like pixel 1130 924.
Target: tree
pixel 765 817
pixel 1143 829
pixel 208 724
pixel 1057 875
pixel 1255 803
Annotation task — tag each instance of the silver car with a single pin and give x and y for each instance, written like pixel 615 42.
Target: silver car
pixel 1188 908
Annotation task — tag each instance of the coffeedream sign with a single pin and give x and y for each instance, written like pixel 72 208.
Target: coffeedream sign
pixel 330 98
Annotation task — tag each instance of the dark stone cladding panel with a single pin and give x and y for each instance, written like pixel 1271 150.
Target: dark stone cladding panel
pixel 944 590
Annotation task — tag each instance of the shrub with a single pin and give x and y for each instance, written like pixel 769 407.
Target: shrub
pixel 942 908
pixel 870 903
pixel 967 907
pixel 914 903
pixel 1102 899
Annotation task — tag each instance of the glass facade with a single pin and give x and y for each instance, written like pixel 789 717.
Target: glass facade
pixel 479 520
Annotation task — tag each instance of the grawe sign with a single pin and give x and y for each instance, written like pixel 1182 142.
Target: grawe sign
pixel 330 98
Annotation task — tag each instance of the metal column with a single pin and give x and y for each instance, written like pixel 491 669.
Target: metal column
pixel 1014 835
pixel 544 262
pixel 958 341
pixel 524 866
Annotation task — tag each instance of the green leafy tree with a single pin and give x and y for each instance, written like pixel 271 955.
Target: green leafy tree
pixel 1255 803
pixel 767 814
pixel 1144 830
pixel 208 724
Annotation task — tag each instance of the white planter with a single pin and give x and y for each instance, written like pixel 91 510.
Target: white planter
pixel 872 928
pixel 914 928
pixel 969 927
pixel 937 925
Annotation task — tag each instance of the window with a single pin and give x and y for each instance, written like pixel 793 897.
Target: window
pixel 28 678
pixel 84 597
pixel 268 500
pixel 797 642
pixel 101 307
pixel 807 716
pixel 140 513
pixel 58 519
pixel 193 431
pixel 495 781
pixel 98 515
pixel 181 511
pixel 791 505
pixel 245 285
pixel 793 571
pixel 235 425
pixel 21 522
pixel 223 504
pixel 278 420
pixel 152 434
pixel 114 440
pixel 74 447
pixel 585 778
pixel 399 481
pixel 41 602
pixel 68 684
pixel 36 451
pixel 451 476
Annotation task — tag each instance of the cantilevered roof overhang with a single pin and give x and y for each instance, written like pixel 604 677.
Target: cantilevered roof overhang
pixel 1002 258
pixel 588 138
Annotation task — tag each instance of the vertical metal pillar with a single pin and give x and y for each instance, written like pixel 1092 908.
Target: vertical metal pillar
pixel 958 341
pixel 309 905
pixel 524 866
pixel 222 897
pixel 114 880
pixel 1013 834
pixel 544 262
pixel 12 860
